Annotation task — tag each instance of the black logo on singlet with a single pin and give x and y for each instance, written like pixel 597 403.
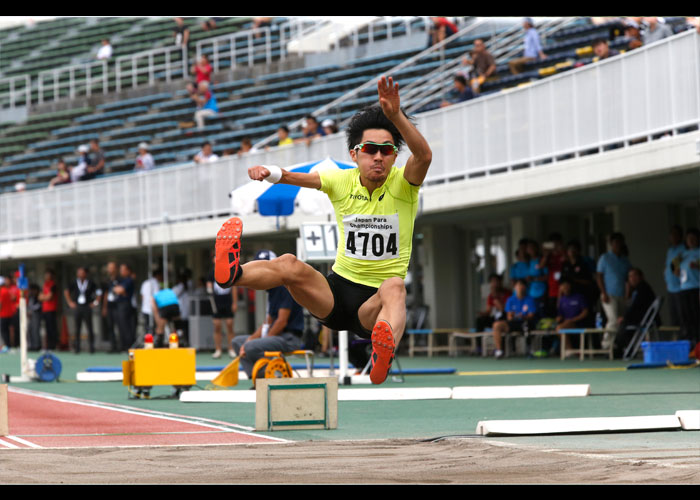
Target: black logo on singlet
pixel 382 196
pixel 358 197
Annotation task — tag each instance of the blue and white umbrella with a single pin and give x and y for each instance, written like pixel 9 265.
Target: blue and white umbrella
pixel 283 199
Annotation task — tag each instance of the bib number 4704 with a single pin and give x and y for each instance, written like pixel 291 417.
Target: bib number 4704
pixel 376 246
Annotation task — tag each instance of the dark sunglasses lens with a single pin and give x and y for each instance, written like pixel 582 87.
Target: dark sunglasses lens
pixel 372 149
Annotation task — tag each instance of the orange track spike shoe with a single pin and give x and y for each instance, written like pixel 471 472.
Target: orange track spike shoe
pixel 382 352
pixel 227 267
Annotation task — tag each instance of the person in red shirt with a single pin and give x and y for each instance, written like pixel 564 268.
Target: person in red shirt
pixel 202 70
pixel 495 303
pixel 8 310
pixel 49 306
pixel 441 28
pixel 553 259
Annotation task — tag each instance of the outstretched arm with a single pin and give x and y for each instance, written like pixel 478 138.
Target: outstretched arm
pixel 421 155
pixel 301 179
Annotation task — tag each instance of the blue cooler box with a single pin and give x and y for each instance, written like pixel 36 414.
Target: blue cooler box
pixel 663 352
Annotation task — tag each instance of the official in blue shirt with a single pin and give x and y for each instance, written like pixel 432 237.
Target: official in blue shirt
pixel 672 272
pixel 689 274
pixel 282 331
pixel 532 50
pixel 611 276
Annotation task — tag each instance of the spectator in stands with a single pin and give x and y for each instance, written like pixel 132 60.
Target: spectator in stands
pixel 575 270
pixel 210 24
pixel 206 103
pixel 81 297
pixel 440 28
pixel 672 273
pixel 533 48
pixel 202 70
pixel 572 310
pixel 246 147
pixel 144 160
pixel 95 161
pixel 282 329
pixel 495 303
pixel 633 33
pixel 62 174
pixel 460 92
pixel 520 310
pixel 640 296
pixel 311 129
pixel 602 50
pixel 78 171
pixel 483 65
pixel 553 257
pixel 181 34
pixel 329 126
pixel 689 274
pixel 283 136
pixel 611 276
pixel 206 155
pixel 105 51
pixel 655 30
pixel 49 305
pixel 225 308
pixel 261 22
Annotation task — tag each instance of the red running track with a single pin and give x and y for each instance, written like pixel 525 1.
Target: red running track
pixel 40 420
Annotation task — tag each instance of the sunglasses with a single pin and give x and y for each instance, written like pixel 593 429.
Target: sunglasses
pixel 371 148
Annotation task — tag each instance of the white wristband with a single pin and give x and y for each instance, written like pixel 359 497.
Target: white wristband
pixel 275 173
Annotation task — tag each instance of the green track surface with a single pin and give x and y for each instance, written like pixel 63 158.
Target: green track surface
pixel 615 391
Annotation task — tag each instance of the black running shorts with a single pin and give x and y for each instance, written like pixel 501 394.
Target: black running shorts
pixel 348 297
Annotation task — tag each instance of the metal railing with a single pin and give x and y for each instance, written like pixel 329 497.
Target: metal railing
pixel 92 73
pixel 589 108
pixel 174 59
pixel 19 86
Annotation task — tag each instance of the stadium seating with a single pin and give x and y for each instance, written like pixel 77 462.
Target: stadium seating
pixel 252 108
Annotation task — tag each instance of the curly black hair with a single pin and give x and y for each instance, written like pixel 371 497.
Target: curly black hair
pixel 371 117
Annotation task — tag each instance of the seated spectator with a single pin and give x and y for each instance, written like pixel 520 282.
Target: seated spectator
pixel 62 174
pixel 495 303
pixel 572 310
pixel 95 161
pixel 533 48
pixel 655 30
pixel 283 136
pixel 460 93
pixel 206 103
pixel 210 24
pixel 144 160
pixel 202 70
pixel 689 273
pixel 311 129
pixel 633 33
pixel 483 65
pixel 639 299
pixel 78 171
pixel 329 126
pixel 441 28
pixel 575 270
pixel 246 147
pixel 105 51
pixel 602 50
pixel 261 22
pixel 520 310
pixel 206 155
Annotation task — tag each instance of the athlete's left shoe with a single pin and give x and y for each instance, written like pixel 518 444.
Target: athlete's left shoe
pixel 382 352
pixel 227 266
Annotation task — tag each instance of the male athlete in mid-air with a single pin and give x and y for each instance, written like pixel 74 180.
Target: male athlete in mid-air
pixel 375 206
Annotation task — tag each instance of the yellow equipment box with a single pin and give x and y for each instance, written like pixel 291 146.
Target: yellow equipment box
pixel 149 367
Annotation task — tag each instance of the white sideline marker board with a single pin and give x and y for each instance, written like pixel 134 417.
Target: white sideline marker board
pixel 521 391
pixel 690 419
pixel 576 425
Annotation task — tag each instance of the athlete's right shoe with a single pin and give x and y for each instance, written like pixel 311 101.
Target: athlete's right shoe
pixel 227 267
pixel 382 352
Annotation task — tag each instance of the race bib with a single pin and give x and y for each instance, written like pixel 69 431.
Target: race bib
pixel 81 299
pixel 372 237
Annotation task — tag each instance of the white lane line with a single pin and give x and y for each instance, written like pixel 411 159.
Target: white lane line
pixel 7 445
pixel 23 441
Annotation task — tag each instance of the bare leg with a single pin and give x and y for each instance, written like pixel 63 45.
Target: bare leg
pixel 230 334
pixel 388 304
pixel 499 328
pixel 217 334
pixel 307 286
